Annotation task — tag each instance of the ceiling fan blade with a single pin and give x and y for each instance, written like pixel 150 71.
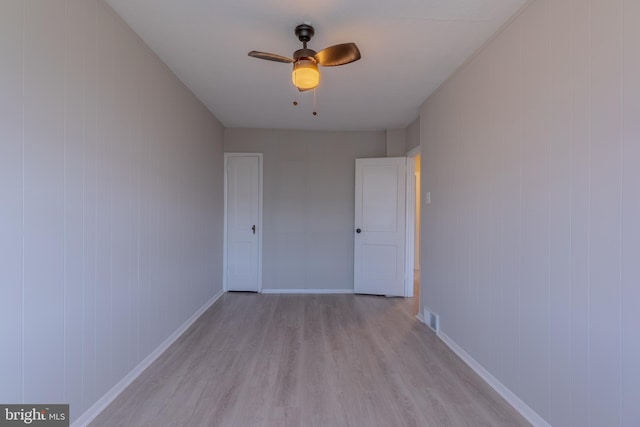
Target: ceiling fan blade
pixel 339 54
pixel 304 90
pixel 270 57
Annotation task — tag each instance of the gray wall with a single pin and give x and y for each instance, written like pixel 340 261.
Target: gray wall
pixel 531 240
pixel 413 135
pixel 396 142
pixel 111 202
pixel 309 180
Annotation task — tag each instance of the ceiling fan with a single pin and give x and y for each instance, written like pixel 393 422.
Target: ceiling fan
pixel 305 74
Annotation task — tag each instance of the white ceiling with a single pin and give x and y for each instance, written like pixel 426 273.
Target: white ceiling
pixel 409 47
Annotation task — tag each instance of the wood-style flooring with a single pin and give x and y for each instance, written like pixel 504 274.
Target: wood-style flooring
pixel 309 360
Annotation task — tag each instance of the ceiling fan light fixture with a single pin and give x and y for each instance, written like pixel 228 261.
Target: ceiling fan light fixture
pixel 305 74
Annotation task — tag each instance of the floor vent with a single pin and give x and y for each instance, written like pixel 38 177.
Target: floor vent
pixel 432 320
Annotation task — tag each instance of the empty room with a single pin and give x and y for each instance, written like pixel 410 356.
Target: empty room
pixel 296 213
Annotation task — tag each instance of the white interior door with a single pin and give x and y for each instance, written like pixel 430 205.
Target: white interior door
pixel 243 214
pixel 380 226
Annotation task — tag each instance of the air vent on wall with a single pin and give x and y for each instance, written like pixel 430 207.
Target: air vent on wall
pixel 432 320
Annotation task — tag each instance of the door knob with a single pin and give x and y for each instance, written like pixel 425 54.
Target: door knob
pixel 358 231
pixel 253 228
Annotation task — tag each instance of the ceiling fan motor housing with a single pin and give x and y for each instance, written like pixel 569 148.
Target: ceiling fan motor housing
pixel 304 53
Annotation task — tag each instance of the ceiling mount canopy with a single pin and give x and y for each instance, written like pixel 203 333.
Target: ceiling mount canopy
pixel 305 74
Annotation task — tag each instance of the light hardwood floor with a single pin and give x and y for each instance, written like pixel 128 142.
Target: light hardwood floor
pixel 309 360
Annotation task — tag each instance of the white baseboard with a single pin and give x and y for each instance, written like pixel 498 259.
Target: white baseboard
pixel 307 291
pixel 110 396
pixel 524 409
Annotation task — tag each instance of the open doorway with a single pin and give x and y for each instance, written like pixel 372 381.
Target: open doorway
pixel 416 230
pixel 412 289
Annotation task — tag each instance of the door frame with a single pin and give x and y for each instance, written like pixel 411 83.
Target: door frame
pixel 410 222
pixel 225 287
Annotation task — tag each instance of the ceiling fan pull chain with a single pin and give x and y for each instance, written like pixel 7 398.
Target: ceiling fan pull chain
pixel 315 113
pixel 295 97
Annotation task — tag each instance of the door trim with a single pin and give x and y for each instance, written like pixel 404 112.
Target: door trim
pixel 260 195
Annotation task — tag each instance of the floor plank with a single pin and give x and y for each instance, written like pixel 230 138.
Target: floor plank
pixel 308 360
